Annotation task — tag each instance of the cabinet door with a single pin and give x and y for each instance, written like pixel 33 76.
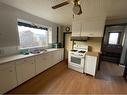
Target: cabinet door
pixel 55 55
pixel 41 63
pixel 25 69
pixel 76 28
pixel 61 54
pixel 88 29
pixel 28 69
pixel 58 56
pixel 7 78
pixel 93 27
pixel 19 71
pixel 90 65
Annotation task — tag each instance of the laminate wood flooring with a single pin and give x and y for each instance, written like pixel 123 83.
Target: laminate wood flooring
pixel 61 80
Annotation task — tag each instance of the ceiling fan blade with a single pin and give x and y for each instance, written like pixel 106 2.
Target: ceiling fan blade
pixel 60 5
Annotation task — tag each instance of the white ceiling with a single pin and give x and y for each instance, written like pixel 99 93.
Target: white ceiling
pixel 91 8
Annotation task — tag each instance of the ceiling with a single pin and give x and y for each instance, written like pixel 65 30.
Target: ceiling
pixel 91 8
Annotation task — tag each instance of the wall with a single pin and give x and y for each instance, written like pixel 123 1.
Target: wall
pixel 116 21
pixel 63 30
pixel 8 25
pixel 93 43
pixel 124 48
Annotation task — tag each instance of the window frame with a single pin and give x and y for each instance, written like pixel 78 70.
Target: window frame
pixel 32 26
pixel 119 36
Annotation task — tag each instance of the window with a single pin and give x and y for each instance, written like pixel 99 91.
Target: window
pixel 113 38
pixel 31 37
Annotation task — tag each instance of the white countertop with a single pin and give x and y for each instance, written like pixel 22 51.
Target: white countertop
pixel 21 56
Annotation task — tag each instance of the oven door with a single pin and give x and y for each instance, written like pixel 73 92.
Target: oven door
pixel 76 60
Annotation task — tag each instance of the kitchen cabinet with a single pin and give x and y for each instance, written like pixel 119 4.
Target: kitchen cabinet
pixel 92 27
pixel 25 69
pixel 7 77
pixel 61 55
pixel 42 62
pixel 76 28
pixel 58 55
pixel 91 64
pixel 47 60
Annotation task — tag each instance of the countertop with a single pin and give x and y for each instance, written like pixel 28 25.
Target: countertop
pixel 93 53
pixel 21 56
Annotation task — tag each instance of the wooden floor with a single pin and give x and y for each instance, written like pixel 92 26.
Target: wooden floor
pixel 61 80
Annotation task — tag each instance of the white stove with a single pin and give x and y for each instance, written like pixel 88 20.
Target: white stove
pixel 76 58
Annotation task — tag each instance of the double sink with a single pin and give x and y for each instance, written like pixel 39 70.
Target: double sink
pixel 38 51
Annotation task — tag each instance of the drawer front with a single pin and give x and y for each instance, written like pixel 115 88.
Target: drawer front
pixel 7 65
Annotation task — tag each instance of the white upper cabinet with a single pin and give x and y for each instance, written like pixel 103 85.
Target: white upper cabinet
pixel 91 27
pixel 76 28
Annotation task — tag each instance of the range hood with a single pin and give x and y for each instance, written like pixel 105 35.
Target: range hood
pixel 79 38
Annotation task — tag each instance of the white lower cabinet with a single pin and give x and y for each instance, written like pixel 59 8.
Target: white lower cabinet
pixel 47 60
pixel 58 55
pixel 25 69
pixel 15 73
pixel 91 63
pixel 7 77
pixel 42 62
pixel 61 55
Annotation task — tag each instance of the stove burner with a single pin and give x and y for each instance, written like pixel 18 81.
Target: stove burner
pixel 81 51
pixel 74 50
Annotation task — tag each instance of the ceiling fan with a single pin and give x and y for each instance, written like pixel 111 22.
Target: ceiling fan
pixel 77 10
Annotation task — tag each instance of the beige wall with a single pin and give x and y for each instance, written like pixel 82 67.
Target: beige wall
pixel 93 43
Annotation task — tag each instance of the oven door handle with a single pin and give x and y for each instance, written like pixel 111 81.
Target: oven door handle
pixel 77 56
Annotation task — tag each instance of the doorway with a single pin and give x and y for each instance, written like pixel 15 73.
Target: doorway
pixel 67 43
pixel 113 43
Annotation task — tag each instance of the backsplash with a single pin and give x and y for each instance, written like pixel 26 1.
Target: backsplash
pixel 94 43
pixel 6 51
pixel 11 50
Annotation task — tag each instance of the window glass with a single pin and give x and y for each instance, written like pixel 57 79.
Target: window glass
pixel 32 37
pixel 113 38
